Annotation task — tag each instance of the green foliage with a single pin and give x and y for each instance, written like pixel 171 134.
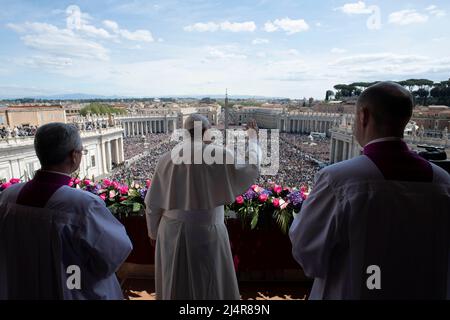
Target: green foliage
pixel 425 91
pixel 99 108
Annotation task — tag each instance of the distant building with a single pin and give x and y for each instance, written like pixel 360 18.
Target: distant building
pixel 31 115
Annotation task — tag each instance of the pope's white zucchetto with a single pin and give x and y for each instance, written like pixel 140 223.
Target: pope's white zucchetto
pixel 190 121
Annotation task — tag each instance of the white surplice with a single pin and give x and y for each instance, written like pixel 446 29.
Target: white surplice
pixel 38 245
pixel 185 214
pixel 351 200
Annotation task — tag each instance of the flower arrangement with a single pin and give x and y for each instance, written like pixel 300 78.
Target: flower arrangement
pixel 5 184
pixel 122 199
pixel 259 206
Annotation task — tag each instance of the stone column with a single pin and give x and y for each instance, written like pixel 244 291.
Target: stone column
pixel 108 155
pixel 121 154
pixel 116 152
pixel 340 147
pixel 345 151
pixel 104 160
pixel 332 150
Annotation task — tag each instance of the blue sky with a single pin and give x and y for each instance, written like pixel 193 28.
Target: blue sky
pixel 289 48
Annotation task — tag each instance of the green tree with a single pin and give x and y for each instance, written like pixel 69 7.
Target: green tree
pixel 328 95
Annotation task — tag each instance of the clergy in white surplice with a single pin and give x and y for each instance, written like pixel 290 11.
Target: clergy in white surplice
pixel 185 214
pixel 377 226
pixel 57 242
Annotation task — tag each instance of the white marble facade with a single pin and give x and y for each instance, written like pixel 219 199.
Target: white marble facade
pixel 105 148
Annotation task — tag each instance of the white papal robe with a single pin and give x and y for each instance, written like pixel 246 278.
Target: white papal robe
pixel 355 218
pixel 185 213
pixel 38 246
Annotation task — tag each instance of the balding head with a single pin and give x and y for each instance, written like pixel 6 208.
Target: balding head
pixel 388 102
pixel 383 109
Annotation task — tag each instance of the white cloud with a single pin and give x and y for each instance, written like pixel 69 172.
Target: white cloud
pixel 260 41
pixel 407 17
pixel 286 24
pixel 355 8
pixel 435 11
pixel 112 25
pixel 202 27
pixel 61 42
pixel 293 52
pixel 48 62
pixel 224 52
pixel 387 65
pixel 384 57
pixel 248 26
pixel 78 21
pixel 76 41
pixel 138 35
pixel 338 51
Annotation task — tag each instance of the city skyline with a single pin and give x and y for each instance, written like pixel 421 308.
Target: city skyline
pixel 290 49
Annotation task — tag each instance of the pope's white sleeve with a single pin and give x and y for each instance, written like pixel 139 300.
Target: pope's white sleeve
pixel 105 239
pixel 314 232
pixel 153 216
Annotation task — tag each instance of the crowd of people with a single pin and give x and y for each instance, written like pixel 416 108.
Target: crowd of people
pixel 30 131
pixel 295 155
pixel 18 131
pixel 318 148
pixel 148 150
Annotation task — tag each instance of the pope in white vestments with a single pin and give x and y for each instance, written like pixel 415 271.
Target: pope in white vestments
pixel 377 226
pixel 57 242
pixel 185 213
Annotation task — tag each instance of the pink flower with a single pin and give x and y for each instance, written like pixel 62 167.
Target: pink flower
pixel 14 180
pixel 87 182
pixel 71 184
pixel 284 205
pixel 103 196
pixel 112 194
pixel 6 185
pixel 122 199
pixel 263 197
pixel 115 185
pixel 76 181
pixel 106 183
pixel 276 202
pixel 277 189
pixel 239 199
pixel 123 189
pixel 303 189
pixel 148 183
